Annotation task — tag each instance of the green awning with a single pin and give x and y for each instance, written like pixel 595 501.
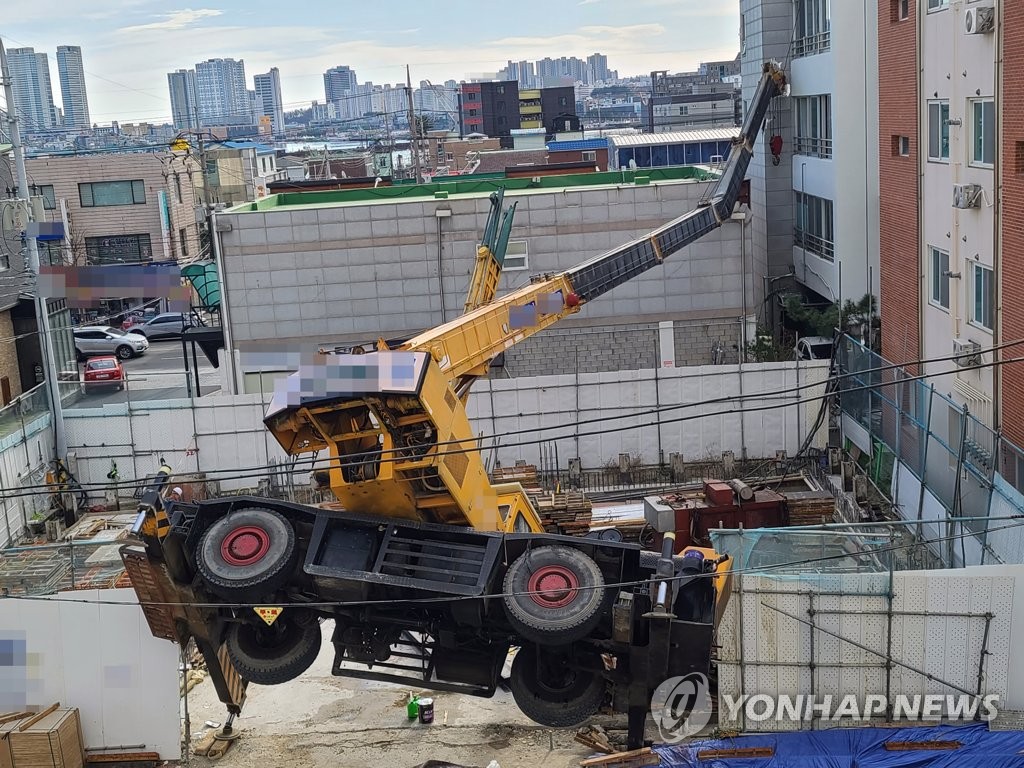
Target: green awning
pixel 204 279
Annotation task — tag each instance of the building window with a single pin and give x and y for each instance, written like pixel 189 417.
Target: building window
pixel 813 126
pixel 938 131
pixel 177 188
pixel 938 267
pixel 813 27
pixel 814 228
pixel 516 255
pixel 684 110
pixel 118 249
pixel 983 132
pixel 46 192
pixel 449 157
pixel 183 240
pixel 900 10
pixel 982 311
pixel 502 120
pixel 743 33
pixel 905 146
pixel 500 89
pixel 590 157
pixel 937 5
pixel 101 193
pixel 563 101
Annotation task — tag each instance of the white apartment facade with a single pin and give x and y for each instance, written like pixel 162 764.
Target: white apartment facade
pixel 958 104
pixel 269 102
pixel 221 94
pixel 815 206
pixel 33 90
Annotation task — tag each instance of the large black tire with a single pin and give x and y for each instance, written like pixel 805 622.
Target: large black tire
pixel 124 352
pixel 554 694
pixel 553 595
pixel 248 554
pixel 275 654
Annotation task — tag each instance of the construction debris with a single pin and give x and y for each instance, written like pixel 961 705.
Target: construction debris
pixel 596 738
pixel 633 759
pixel 562 512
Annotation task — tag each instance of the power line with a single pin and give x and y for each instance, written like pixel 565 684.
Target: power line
pixel 242 473
pixel 784 566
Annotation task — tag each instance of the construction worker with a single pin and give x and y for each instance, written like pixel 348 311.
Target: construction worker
pixel 176 493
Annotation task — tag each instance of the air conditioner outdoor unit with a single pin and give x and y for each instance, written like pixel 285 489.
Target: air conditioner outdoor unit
pixel 969 352
pixel 978 21
pixel 966 195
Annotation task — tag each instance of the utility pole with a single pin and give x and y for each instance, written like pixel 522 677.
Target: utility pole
pixel 32 248
pixel 414 132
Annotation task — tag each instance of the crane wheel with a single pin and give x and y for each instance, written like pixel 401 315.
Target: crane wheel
pixel 553 594
pixel 550 692
pixel 248 554
pixel 276 654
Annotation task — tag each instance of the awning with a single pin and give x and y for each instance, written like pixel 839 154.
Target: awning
pixel 204 279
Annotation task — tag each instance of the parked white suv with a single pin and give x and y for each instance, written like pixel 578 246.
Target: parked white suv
pixel 95 340
pixel 814 348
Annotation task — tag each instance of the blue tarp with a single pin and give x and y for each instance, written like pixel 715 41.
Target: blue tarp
pixel 860 748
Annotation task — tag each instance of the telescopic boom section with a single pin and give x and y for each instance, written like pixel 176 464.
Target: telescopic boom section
pixel 394 421
pixel 465 345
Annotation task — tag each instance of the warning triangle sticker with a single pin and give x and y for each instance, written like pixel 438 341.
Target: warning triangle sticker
pixel 268 613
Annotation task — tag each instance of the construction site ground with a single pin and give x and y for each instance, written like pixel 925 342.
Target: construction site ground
pixel 320 719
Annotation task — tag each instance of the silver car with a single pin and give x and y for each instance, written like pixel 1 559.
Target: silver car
pixel 167 325
pixel 96 340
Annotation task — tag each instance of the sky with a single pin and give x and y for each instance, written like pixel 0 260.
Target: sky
pixel 129 46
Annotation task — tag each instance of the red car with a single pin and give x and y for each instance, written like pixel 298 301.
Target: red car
pixel 103 372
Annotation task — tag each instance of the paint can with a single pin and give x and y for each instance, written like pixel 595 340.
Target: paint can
pixel 426 711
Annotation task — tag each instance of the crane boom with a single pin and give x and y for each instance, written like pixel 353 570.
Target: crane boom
pixel 470 341
pixel 394 421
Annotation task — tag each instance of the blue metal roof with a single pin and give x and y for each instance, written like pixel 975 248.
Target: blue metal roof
pixel 576 146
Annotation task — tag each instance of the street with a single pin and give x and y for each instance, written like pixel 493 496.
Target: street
pixel 158 374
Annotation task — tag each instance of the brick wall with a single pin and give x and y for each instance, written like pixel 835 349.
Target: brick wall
pixel 9 355
pixel 1011 277
pixel 900 258
pixel 598 349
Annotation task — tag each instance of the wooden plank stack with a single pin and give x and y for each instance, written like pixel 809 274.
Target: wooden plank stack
pixel 810 507
pixel 567 513
pixel 50 739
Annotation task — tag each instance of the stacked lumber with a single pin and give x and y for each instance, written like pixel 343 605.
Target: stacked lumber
pixel 810 507
pixel 50 739
pixel 567 513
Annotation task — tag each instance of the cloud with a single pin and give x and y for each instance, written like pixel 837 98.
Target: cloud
pixel 175 20
pixel 588 2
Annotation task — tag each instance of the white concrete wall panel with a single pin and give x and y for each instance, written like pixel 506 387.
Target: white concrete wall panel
pixel 763 651
pixel 102 659
pixel 226 433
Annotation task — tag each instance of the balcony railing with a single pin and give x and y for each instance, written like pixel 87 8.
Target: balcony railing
pixel 812 44
pixel 805 145
pixel 814 244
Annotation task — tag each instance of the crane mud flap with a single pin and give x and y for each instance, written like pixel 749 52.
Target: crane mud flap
pixel 171 616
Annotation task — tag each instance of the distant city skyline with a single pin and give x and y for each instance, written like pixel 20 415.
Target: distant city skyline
pixel 130 46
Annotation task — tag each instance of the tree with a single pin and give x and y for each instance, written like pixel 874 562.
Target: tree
pixel 859 318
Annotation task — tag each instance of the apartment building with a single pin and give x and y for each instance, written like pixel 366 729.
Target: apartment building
pixel 119 207
pixel 498 108
pixel 952 137
pixel 815 203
